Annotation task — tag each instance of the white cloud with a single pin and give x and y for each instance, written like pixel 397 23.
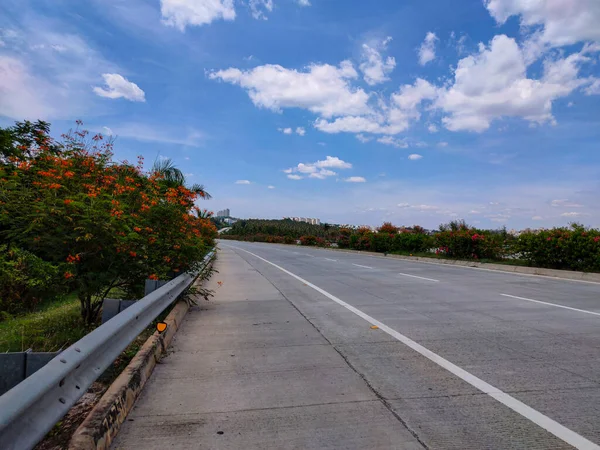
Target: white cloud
pixel 355 180
pixel 442 144
pixel 565 204
pixel 305 168
pixel 333 162
pixel 392 119
pixel 301 131
pixel 493 84
pixel 425 207
pixel 322 174
pixel 270 187
pixel 574 214
pixel 403 205
pixel 490 84
pixel 414 157
pixel 411 96
pixel 243 182
pixel 389 140
pixel 183 13
pixel 460 44
pixel 593 88
pixel 364 139
pixel 119 87
pixel 537 218
pixel 322 89
pixel 374 68
pixel 285 130
pixel 427 49
pixel 319 169
pixel 355 124
pixel 107 131
pixel 562 22
pixel 258 8
pixel 304 2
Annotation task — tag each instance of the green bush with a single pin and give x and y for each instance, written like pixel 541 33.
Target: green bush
pixel 574 248
pixel 381 242
pixel 458 240
pixel 343 238
pixel 308 240
pixel 410 241
pixel 25 281
pixel 283 228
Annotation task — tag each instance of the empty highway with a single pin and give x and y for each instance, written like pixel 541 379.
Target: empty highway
pixel 311 348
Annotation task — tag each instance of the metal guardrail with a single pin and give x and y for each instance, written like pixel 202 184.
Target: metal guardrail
pixel 30 409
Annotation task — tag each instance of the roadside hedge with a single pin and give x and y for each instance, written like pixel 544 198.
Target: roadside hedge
pixel 568 248
pixel 574 248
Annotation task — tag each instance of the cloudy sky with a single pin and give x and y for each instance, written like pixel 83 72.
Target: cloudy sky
pixel 351 111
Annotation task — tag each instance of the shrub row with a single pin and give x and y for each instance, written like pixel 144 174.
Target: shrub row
pixel 569 248
pixel 281 228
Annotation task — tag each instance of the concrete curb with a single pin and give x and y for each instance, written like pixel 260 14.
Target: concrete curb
pixel 102 423
pixel 523 270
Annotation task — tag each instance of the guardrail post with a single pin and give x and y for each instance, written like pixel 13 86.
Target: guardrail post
pixel 12 370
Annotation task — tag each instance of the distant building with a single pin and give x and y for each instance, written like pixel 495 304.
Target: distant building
pixel 223 213
pixel 305 219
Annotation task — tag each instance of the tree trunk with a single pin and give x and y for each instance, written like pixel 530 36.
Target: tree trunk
pixel 89 309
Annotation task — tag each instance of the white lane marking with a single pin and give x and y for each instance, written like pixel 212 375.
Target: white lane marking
pixel 295 253
pixel 548 424
pixel 422 278
pixel 334 260
pixel 552 304
pixel 310 256
pixel 358 265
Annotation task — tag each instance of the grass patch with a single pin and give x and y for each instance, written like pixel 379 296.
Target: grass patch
pixel 56 325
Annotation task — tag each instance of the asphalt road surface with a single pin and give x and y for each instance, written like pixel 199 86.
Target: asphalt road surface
pixel 362 351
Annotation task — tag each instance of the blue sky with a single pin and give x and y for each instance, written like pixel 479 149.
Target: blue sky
pixel 349 111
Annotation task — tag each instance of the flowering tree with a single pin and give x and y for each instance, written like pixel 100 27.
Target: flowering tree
pixel 388 228
pixel 107 225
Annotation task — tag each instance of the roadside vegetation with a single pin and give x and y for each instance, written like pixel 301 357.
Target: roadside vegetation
pixel 77 226
pixel 280 231
pixel 568 248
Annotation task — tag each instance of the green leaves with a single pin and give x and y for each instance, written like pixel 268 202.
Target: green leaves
pixel 103 223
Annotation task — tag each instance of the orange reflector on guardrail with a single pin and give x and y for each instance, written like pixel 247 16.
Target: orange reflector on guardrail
pixel 161 326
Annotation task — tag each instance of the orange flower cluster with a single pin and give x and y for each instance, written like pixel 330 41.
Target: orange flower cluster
pixel 73 259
